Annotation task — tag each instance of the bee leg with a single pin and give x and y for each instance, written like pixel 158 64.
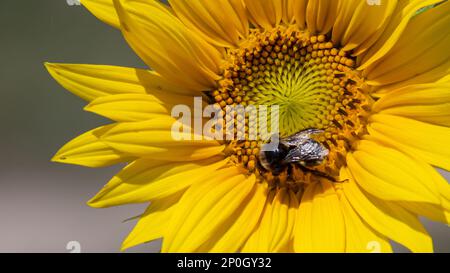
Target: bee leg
pixel 321 174
pixel 343 181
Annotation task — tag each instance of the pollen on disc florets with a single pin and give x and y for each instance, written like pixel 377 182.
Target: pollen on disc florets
pixel 313 82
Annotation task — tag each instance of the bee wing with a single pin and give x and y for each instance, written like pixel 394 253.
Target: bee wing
pixel 310 132
pixel 294 156
pixel 310 151
pixel 300 137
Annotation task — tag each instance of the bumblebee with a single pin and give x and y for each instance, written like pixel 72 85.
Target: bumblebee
pixel 299 149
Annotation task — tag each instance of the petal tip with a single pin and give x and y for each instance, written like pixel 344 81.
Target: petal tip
pixel 95 203
pixel 58 159
pixel 89 108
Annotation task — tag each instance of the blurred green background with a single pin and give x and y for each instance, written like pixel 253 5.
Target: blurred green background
pixel 42 204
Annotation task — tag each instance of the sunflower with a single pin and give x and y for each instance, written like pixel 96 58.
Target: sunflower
pixel 374 79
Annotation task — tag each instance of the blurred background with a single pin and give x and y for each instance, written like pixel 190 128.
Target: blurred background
pixel 42 204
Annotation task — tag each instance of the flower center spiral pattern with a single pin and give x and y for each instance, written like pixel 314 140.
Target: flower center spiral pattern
pixel 314 84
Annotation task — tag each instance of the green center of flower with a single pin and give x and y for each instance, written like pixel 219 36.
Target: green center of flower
pixel 313 83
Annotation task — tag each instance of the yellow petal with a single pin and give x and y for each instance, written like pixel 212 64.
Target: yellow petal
pixel 154 139
pixel 284 213
pixel 427 141
pixel 152 224
pixel 398 27
pixel 391 175
pixel 358 22
pixel 443 187
pixel 103 10
pixel 436 184
pixel 420 94
pixel 294 11
pixel 347 10
pixel 425 102
pixel 320 223
pixel 237 232
pixel 423 46
pixel 433 212
pixel 204 208
pixel 444 79
pixel 87 150
pixel 145 180
pixel 437 74
pixel 256 242
pixel 167 46
pixel 275 229
pixel 321 15
pixel 387 218
pixel 441 184
pixel 92 81
pixel 220 22
pixel 361 238
pixel 266 14
pixel 136 107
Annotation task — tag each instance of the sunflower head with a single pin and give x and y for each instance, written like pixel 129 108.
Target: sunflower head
pixel 314 84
